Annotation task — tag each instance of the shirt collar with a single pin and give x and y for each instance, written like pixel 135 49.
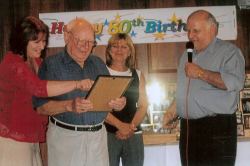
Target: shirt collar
pixel 67 59
pixel 210 48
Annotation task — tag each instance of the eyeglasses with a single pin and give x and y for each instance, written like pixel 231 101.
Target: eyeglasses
pixel 78 42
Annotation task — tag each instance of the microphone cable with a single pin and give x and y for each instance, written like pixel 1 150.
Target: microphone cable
pixel 189 47
pixel 186 110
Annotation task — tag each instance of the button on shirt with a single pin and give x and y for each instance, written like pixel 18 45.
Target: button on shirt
pixel 205 99
pixel 63 67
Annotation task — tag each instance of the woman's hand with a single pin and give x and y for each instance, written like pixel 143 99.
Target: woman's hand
pixel 85 84
pixel 125 131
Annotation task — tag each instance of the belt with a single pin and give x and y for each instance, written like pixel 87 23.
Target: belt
pixel 75 128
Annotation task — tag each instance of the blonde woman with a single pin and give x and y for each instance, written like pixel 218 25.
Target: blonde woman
pixel 124 132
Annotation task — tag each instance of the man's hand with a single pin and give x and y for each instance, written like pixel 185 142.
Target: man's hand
pixel 117 104
pixel 193 71
pixel 80 105
pixel 169 119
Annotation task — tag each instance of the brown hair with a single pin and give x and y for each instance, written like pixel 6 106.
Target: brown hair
pixel 27 30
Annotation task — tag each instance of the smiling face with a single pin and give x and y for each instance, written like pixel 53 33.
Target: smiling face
pixel 80 40
pixel 35 47
pixel 200 30
pixel 120 52
pixel 29 38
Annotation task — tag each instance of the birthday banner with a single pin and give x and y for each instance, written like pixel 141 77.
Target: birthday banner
pixel 143 25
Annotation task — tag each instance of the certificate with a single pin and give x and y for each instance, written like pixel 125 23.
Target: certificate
pixel 106 88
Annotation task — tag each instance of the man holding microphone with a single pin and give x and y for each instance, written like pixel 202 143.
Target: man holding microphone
pixel 207 95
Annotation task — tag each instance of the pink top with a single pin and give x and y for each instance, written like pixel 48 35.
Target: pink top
pixel 18 119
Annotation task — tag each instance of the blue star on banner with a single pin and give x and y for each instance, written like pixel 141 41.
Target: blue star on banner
pixel 133 34
pixel 98 36
pixel 106 23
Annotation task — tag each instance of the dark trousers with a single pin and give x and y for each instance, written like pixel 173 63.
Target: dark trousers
pixel 212 141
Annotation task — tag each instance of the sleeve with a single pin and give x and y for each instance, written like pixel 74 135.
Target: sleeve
pixel 233 69
pixel 39 101
pixel 28 80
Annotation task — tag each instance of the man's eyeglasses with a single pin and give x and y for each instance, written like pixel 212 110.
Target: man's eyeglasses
pixel 78 42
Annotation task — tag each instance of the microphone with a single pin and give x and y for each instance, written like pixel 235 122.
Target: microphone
pixel 190 48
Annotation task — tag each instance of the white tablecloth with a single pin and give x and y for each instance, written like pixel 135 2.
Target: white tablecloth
pixel 168 155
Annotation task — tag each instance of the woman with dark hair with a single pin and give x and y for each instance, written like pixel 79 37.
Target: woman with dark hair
pixel 21 128
pixel 124 132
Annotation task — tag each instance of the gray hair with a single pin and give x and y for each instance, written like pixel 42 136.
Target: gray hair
pixel 209 17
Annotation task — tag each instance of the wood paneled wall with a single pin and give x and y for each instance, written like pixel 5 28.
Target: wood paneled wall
pixel 12 10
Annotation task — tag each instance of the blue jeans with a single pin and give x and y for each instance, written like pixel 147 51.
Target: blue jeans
pixel 131 150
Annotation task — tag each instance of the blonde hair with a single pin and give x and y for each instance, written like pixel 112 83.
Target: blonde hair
pixel 130 61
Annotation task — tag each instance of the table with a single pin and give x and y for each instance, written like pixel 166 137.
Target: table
pixel 168 154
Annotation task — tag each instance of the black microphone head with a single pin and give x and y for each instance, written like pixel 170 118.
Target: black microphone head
pixel 190 48
pixel 189 45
